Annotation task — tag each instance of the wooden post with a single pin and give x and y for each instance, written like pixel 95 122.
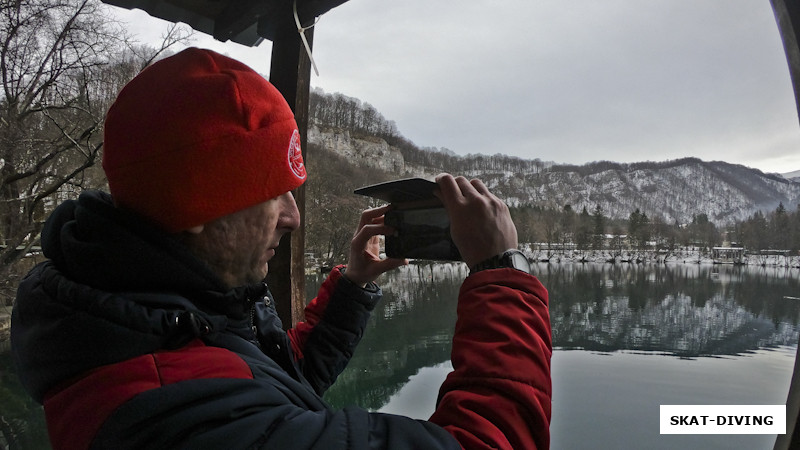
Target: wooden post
pixel 787 14
pixel 290 73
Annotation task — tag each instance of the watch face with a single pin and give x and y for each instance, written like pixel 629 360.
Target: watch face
pixel 519 261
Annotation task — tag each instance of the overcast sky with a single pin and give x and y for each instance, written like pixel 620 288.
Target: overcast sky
pixel 565 81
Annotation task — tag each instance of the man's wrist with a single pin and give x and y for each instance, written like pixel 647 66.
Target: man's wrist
pixel 511 258
pixel 350 279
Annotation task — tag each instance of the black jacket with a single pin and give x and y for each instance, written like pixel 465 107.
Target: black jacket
pixel 131 342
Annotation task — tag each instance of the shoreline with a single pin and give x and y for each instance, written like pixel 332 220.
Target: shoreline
pixel 690 256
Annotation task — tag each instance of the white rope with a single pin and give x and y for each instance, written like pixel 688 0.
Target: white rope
pixel 302 32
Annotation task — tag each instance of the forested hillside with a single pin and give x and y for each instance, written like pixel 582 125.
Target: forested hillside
pixel 678 201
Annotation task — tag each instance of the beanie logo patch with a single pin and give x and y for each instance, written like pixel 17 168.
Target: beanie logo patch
pixel 296 157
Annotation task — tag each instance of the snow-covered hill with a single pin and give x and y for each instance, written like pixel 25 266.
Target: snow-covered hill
pixel 794 176
pixel 674 191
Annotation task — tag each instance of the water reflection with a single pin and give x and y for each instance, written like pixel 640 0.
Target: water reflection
pixel 611 400
pixel 613 325
pixel 686 309
pixel 411 328
pixel 729 334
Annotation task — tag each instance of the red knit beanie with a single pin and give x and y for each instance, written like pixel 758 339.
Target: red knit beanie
pixel 197 136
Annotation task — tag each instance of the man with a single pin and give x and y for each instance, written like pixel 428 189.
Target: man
pixel 151 327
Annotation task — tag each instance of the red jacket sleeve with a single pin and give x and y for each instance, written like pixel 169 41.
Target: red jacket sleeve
pixel 498 395
pixel 298 336
pixel 334 324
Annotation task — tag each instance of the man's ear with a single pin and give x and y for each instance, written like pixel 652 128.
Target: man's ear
pixel 195 230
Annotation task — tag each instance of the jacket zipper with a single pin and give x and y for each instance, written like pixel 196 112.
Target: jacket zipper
pixel 253 328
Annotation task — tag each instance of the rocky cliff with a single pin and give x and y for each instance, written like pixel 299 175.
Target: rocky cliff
pixel 675 190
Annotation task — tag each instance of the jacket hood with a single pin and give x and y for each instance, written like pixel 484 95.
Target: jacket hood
pixel 114 288
pixel 95 243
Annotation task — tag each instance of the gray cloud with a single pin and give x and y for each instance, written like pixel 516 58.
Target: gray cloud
pixel 571 82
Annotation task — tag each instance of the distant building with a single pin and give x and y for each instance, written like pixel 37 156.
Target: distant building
pixel 728 255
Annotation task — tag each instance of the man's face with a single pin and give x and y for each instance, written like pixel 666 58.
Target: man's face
pixel 238 246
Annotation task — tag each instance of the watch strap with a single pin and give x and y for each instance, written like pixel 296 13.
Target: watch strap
pixel 511 258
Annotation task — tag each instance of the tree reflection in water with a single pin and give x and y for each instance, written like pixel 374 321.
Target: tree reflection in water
pixel 733 327
pixel 687 312
pixel 411 328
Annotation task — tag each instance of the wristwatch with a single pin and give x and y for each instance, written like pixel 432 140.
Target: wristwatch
pixel 512 258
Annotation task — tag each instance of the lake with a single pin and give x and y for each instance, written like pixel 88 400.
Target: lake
pixel 627 338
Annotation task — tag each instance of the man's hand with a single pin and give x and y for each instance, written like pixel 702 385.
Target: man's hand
pixel 365 263
pixel 480 223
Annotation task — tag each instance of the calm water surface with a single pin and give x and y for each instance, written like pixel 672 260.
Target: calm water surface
pixel 627 339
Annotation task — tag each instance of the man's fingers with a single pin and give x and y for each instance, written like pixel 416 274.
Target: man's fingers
pixel 465 186
pixel 448 188
pixel 388 264
pixel 368 216
pixel 479 186
pixel 368 231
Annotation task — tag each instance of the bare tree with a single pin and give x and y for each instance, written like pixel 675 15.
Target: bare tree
pixel 332 209
pixel 61 64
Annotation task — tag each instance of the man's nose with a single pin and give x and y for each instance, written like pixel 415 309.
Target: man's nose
pixel 290 215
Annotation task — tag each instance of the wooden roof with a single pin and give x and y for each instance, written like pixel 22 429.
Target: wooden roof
pixel 246 22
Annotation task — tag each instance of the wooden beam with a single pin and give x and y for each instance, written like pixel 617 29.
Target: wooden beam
pixel 787 14
pixel 280 22
pixel 290 72
pixel 242 14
